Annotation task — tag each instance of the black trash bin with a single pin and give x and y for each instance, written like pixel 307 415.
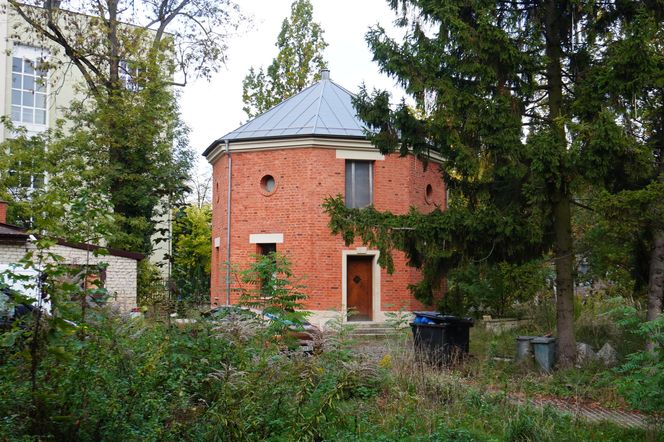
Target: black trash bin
pixel 441 339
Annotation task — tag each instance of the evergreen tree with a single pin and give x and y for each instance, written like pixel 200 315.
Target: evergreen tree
pixel 297 65
pixel 504 92
pixel 632 78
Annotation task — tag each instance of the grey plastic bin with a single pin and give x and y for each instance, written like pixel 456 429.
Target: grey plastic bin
pixel 544 349
pixel 524 348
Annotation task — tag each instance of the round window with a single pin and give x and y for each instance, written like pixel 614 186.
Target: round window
pixel 428 195
pixel 268 184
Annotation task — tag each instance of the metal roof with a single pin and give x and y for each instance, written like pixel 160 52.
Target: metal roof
pixel 323 109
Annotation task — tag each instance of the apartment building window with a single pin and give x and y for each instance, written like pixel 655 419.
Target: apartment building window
pixel 29 86
pixel 129 74
pixel 359 184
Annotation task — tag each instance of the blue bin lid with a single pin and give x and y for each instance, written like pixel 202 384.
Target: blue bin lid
pixel 441 318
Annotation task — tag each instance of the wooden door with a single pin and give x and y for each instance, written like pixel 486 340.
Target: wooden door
pixel 359 287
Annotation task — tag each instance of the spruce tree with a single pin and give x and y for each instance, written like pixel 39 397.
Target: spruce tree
pixel 500 90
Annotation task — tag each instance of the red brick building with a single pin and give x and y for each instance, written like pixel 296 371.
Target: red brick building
pixel 282 165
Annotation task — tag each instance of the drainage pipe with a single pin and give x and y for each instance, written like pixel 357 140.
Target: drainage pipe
pixel 228 226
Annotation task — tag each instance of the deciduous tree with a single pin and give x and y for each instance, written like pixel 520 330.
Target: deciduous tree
pixel 296 66
pixel 192 236
pixel 130 53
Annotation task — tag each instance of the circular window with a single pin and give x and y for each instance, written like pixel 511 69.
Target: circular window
pixel 428 194
pixel 268 184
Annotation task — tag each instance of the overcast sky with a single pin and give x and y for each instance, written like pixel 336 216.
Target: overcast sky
pixel 212 109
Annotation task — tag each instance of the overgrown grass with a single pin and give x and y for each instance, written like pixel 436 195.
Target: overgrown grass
pixel 426 403
pixel 588 382
pixel 592 382
pixel 119 379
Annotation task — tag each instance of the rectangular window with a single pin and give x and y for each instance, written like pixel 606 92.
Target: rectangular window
pixel 266 248
pixel 129 75
pixel 25 173
pixel 267 284
pixel 29 86
pixel 359 184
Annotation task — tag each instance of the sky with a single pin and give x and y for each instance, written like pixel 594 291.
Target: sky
pixel 212 109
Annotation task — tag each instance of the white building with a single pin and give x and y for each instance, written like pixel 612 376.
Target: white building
pixel 35 98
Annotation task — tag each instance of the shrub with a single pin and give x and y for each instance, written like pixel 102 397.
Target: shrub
pixel 494 289
pixel 270 286
pixel 642 379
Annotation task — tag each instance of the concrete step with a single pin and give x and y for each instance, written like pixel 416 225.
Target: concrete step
pixel 370 329
pixel 373 331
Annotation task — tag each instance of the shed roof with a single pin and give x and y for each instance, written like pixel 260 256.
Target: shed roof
pixel 323 109
pixel 7 231
pixel 20 234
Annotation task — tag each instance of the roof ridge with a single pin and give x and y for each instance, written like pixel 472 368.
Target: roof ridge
pixel 320 100
pixel 266 111
pixel 302 95
pixel 333 114
pixel 353 115
pixel 343 88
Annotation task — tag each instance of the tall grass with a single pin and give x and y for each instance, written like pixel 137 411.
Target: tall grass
pixel 138 380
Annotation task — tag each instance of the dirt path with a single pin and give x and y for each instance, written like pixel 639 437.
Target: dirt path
pixel 625 419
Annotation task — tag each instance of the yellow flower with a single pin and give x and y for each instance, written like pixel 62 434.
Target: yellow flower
pixel 386 361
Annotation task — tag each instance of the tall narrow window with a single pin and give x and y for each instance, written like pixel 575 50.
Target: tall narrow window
pixel 29 84
pixel 129 75
pixel 267 282
pixel 359 184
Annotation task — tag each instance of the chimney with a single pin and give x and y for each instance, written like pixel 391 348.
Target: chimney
pixel 3 211
pixel 325 74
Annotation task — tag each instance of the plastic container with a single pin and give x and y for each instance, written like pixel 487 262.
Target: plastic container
pixel 437 318
pixel 524 348
pixel 441 342
pixel 544 349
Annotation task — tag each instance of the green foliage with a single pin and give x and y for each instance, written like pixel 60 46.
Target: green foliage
pixel 513 98
pixel 296 66
pixel 133 379
pixel 124 138
pixel 642 373
pixel 494 289
pixel 192 253
pixel 432 242
pixel 139 146
pixel 122 156
pixel 270 286
pixel 73 205
pixel 151 290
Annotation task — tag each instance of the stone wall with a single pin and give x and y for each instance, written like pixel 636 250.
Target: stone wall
pixel 120 275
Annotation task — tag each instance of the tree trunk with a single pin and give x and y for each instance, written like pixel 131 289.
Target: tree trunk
pixel 560 198
pixel 655 281
pixel 564 256
pixel 656 264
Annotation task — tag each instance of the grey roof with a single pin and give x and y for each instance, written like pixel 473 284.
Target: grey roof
pixel 12 232
pixel 15 233
pixel 323 109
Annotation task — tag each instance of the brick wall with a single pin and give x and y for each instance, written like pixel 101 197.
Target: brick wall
pixel 304 178
pixel 120 274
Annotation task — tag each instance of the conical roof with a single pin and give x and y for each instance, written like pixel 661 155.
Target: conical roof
pixel 323 109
